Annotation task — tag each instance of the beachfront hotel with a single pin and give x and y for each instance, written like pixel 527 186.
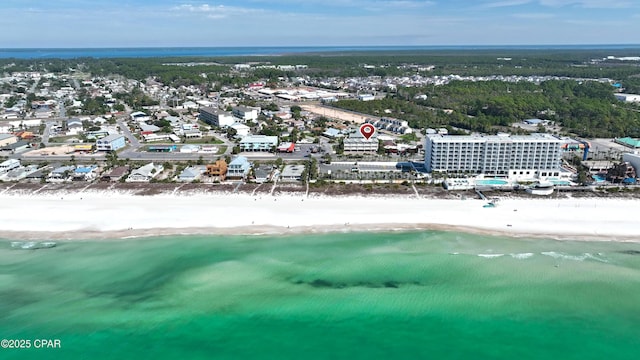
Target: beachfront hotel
pixel 497 155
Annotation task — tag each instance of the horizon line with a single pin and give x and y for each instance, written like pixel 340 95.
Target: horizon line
pixel 319 46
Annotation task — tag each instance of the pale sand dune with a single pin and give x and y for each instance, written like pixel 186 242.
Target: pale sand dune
pixel 119 215
pixel 335 113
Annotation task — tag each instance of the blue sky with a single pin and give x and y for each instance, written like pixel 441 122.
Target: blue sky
pixel 114 23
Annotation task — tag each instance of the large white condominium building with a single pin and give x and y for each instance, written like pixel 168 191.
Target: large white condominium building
pixel 499 155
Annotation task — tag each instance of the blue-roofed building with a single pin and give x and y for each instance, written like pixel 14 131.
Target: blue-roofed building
pixel 85 173
pixel 238 168
pixel 111 143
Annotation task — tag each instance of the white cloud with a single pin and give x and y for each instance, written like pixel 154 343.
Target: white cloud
pixel 215 11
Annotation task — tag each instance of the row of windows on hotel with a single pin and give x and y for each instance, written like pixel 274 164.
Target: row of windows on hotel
pixel 527 165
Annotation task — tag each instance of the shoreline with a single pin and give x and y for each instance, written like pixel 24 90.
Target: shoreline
pixel 101 215
pixel 143 234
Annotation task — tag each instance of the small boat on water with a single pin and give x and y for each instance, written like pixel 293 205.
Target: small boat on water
pixel 541 188
pixel 32 245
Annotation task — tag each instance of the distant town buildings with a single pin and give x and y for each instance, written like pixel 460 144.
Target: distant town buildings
pixel 393 125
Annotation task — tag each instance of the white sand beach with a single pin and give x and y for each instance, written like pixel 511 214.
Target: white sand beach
pixel 117 215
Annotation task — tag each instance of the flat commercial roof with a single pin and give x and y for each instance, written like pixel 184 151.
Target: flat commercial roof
pixel 635 143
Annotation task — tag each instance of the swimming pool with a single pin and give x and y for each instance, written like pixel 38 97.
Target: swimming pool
pixel 491 182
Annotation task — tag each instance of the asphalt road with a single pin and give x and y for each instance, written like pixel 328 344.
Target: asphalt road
pixel 135 143
pixel 47 132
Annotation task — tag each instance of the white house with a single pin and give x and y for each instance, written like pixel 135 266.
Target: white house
pixel 628 97
pixel 9 165
pixel 242 130
pixel 145 173
pixel 74 126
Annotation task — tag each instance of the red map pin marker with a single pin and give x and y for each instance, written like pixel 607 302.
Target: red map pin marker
pixel 367 130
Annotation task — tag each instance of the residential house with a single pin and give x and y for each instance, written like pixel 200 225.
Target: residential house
pixel 116 174
pixel 61 174
pixel 218 170
pixel 238 168
pixel 292 173
pixel 74 126
pixel 263 173
pixel 36 176
pixel 85 173
pixel 145 173
pixel 18 173
pixel 9 165
pixel 192 173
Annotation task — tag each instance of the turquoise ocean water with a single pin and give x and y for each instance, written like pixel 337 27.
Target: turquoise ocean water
pixel 417 295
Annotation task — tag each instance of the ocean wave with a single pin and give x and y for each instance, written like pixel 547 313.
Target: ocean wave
pixel 581 257
pixel 596 258
pixel 490 256
pixel 521 256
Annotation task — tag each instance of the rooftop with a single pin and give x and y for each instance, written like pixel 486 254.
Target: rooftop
pixel 493 138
